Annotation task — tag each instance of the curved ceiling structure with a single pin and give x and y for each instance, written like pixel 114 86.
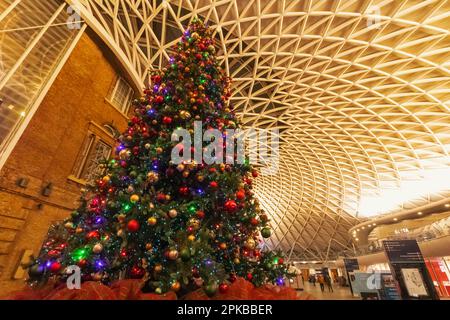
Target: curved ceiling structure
pixel 359 90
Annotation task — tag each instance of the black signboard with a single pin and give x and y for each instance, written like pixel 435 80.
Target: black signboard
pixel 409 269
pixel 403 251
pixel 351 264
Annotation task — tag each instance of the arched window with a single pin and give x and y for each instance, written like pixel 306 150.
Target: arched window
pixel 112 130
pixel 96 148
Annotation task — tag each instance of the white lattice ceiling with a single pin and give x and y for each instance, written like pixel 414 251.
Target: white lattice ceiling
pixel 360 90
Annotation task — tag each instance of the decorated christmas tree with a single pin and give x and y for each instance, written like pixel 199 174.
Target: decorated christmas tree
pixel 176 226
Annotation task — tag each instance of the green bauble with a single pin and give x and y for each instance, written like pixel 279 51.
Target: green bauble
pixel 75 214
pixel 36 271
pixel 211 289
pixel 266 232
pixel 185 254
pixel 269 265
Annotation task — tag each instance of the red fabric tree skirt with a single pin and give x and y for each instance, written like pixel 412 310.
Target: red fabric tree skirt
pixel 131 290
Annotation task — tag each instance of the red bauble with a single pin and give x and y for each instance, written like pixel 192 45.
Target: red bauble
pixel 156 79
pixel 240 195
pixel 233 278
pixel 133 225
pixel 137 272
pixel 184 191
pixel 254 221
pixel 159 99
pixel 93 235
pixel 55 267
pixel 223 288
pixel 170 172
pixel 195 272
pixel 264 217
pixel 249 276
pixel 200 214
pixel 230 206
pixel 53 253
pixel 167 120
pixel 213 184
pixel 82 263
pixel 280 261
pixel 161 197
pixel 254 173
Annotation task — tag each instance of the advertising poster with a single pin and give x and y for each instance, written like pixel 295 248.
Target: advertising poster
pixel 414 282
pixel 389 289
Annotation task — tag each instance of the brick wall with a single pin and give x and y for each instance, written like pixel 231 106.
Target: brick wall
pixel 47 151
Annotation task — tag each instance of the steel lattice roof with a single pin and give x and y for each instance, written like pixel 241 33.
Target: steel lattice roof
pixel 358 88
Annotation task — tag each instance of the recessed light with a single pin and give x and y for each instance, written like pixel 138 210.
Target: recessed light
pixel 357 229
pixel 447 205
pixel 369 225
pixel 363 228
pixel 395 219
pixel 374 224
pixel 357 239
pixel 419 213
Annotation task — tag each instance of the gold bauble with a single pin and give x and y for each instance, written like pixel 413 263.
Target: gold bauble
pixel 185 115
pixel 175 286
pixel 158 268
pixel 194 223
pixel 173 213
pixel 152 177
pixel 152 221
pixel 250 244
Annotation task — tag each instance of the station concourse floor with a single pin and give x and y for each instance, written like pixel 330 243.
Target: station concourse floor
pixel 339 293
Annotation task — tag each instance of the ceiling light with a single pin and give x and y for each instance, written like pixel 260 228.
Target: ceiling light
pixel 419 213
pixel 395 219
pixel 447 205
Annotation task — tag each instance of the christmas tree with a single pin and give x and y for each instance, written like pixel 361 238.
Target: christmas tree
pixel 175 226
